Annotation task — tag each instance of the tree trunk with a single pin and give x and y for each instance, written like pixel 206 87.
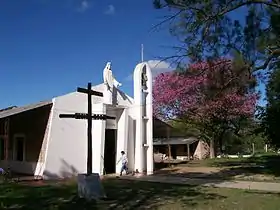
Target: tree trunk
pixel 221 145
pixel 212 148
pixel 220 142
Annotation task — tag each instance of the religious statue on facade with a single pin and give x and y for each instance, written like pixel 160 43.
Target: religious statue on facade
pixel 110 84
pixel 144 78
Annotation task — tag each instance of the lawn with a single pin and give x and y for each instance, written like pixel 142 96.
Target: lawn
pixel 263 167
pixel 134 195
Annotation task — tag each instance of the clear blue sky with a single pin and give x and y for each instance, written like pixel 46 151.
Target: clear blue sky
pixel 49 47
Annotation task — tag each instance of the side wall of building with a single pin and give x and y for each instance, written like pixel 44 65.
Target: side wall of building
pixel 67 149
pixel 31 126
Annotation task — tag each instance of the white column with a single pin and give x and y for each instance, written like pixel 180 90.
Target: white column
pixel 138 119
pixel 149 129
pixel 122 135
pixel 98 139
pixel 131 142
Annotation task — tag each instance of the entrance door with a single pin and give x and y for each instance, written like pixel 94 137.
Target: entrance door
pixel 110 151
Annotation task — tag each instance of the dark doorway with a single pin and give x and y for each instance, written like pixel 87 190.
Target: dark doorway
pixel 19 146
pixel 174 151
pixel 110 151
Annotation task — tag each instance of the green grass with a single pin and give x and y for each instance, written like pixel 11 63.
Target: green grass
pixel 134 195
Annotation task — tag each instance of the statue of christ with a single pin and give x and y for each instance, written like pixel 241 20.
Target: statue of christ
pixel 110 84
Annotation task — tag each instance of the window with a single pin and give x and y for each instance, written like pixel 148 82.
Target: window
pixel 2 148
pixel 19 148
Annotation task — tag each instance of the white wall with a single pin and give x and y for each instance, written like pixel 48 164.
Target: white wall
pixel 131 143
pixel 122 135
pixel 67 146
pixel 67 149
pixel 98 140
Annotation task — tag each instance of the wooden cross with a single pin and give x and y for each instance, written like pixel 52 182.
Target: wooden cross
pixel 89 116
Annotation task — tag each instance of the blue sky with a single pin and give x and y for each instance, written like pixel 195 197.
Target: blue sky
pixel 49 47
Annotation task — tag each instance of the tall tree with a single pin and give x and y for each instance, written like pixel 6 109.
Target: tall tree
pixel 271 115
pixel 208 96
pixel 209 29
pixel 271 118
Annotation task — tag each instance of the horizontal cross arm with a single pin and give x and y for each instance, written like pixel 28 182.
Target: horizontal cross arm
pixel 91 92
pixel 85 116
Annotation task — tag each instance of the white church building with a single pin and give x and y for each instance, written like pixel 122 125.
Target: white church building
pixel 35 140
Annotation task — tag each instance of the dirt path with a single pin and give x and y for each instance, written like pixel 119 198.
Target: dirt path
pixel 233 172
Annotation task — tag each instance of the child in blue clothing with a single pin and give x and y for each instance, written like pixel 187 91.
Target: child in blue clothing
pixel 2 171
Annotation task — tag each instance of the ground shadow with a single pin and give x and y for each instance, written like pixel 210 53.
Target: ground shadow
pixel 122 194
pixel 137 195
pixel 51 196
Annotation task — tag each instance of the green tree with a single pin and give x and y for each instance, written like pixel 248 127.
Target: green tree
pixel 207 29
pixel 270 115
pixel 271 118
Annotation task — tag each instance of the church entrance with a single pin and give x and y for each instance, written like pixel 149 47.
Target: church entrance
pixel 110 151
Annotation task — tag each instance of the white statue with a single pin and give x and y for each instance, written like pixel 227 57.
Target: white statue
pixel 110 83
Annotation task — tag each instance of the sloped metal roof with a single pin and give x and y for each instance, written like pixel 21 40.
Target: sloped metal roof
pixel 18 110
pixel 173 141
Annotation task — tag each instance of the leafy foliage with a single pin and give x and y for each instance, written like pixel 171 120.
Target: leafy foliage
pixel 206 90
pixel 270 115
pixel 207 29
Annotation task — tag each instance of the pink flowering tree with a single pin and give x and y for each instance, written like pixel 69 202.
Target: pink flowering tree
pixel 212 96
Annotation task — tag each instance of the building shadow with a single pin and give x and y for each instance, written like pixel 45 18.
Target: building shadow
pixel 66 171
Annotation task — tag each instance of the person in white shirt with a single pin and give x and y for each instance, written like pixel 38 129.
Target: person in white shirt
pixel 124 163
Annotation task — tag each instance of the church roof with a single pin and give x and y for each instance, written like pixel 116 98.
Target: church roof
pixel 17 110
pixel 122 98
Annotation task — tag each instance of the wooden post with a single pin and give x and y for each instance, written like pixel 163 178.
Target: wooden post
pixel 6 138
pixel 188 146
pixel 169 147
pixel 169 151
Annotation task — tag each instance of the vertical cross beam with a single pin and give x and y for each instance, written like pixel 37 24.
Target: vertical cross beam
pixel 89 131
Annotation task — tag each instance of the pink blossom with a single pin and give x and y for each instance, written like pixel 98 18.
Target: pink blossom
pixel 205 90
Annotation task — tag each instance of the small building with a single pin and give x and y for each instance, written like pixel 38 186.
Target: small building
pixel 173 144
